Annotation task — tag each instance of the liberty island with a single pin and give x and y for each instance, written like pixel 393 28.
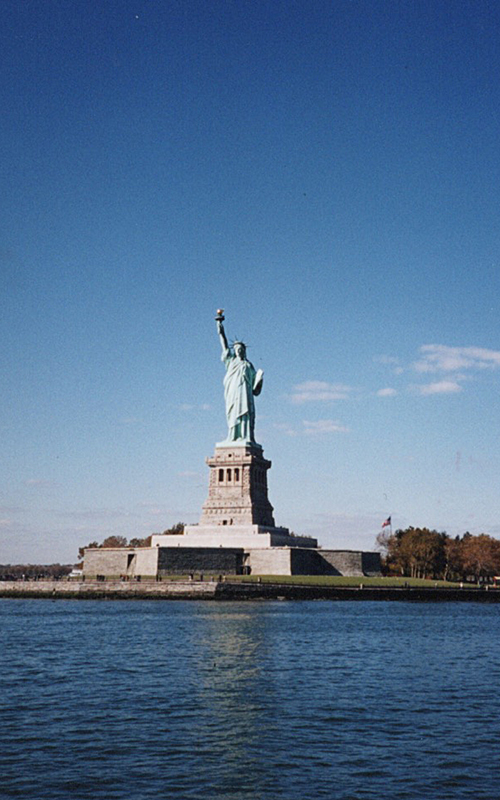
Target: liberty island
pixel 236 533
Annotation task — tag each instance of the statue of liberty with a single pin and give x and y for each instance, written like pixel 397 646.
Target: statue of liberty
pixel 241 383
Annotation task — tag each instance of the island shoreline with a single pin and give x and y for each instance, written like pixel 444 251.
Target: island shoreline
pixel 240 591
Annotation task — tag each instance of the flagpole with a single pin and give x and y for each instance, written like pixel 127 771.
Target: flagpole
pixel 388 522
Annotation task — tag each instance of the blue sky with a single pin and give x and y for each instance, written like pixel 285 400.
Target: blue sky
pixel 328 173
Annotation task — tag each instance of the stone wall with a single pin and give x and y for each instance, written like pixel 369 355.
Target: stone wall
pixel 117 561
pixel 350 562
pixel 110 588
pixel 302 561
pixel 372 564
pixel 237 590
pixel 107 560
pixel 312 562
pixel 207 560
pixel 270 561
pixel 152 561
pixel 146 561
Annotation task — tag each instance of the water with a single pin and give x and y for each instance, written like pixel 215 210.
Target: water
pixel 266 700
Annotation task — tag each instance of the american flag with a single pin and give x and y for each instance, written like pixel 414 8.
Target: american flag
pixel 387 522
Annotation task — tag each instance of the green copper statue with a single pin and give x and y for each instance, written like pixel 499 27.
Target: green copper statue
pixel 241 383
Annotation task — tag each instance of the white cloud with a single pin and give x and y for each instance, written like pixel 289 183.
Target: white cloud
pixel 439 387
pixel 441 358
pixel 388 392
pixel 322 426
pixel 319 391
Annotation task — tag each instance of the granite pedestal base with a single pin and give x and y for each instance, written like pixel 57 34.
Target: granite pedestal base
pixel 246 536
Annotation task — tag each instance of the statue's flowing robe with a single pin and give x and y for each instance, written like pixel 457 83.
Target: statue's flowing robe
pixel 238 393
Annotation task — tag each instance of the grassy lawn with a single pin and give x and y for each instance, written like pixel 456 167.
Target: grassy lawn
pixel 307 580
pixel 332 580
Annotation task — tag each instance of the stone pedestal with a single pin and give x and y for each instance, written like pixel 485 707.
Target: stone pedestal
pixel 237 513
pixel 245 536
pixel 237 492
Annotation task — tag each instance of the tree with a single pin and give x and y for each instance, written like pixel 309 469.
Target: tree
pixel 178 528
pixel 414 552
pixel 428 553
pixel 140 542
pixel 453 568
pixel 121 541
pixel 81 550
pixel 111 541
pixel 480 556
pixel 420 552
pixel 114 541
pixel 16 572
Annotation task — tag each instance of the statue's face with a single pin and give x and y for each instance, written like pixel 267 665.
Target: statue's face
pixel 240 350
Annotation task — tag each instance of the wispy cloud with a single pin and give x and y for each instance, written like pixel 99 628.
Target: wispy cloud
pixel 441 358
pixel 318 427
pixel 285 428
pixel 194 407
pixel 40 483
pixel 321 426
pixel 12 509
pixel 439 387
pixel 452 366
pixel 390 361
pixel 319 391
pixel 95 514
pixel 153 509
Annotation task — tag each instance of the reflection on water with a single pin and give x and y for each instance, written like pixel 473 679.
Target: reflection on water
pixel 248 700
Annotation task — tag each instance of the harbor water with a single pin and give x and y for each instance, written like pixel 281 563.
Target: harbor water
pixel 135 700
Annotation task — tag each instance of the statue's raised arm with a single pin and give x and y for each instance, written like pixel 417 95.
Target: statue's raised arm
pixel 241 383
pixel 222 333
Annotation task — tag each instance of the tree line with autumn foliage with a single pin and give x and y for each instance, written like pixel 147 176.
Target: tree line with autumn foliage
pixel 424 553
pixel 121 541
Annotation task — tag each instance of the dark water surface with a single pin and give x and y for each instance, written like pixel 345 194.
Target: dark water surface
pixel 145 699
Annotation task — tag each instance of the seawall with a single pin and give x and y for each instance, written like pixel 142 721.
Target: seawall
pixel 237 590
